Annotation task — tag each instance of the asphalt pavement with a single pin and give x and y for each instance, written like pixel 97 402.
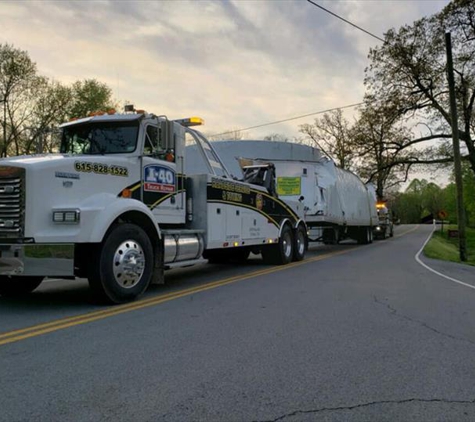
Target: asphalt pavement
pixel 354 333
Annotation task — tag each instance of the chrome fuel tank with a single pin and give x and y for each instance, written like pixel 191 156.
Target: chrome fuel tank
pixel 182 246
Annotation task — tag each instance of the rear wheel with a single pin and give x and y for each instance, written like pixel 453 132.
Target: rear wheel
pixel 365 235
pixel 122 266
pixel 282 252
pixel 300 243
pixel 18 285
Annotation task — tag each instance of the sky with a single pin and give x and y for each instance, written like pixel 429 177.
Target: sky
pixel 235 63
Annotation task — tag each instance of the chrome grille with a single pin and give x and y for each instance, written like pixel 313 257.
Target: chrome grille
pixel 11 202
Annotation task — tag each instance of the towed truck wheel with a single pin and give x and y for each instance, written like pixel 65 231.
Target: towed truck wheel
pixel 18 285
pixel 282 252
pixel 365 235
pixel 122 266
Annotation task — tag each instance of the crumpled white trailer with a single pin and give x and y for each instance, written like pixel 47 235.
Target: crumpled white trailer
pixel 336 201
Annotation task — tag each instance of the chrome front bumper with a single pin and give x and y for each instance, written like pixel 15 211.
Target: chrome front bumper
pixel 37 260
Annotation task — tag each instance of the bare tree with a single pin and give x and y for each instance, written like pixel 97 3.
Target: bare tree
pixel 331 134
pixel 408 72
pixel 17 81
pixel 33 105
pixel 229 135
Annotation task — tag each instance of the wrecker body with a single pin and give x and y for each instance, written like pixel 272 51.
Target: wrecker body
pixel 116 207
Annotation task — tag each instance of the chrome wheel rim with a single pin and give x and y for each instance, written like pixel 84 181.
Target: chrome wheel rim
pixel 300 242
pixel 129 264
pixel 287 244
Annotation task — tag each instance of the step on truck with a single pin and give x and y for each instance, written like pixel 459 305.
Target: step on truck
pixel 115 206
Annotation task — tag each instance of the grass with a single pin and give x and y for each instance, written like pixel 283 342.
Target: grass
pixel 441 247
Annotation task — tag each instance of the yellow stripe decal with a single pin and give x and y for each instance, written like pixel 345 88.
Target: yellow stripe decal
pixel 135 187
pixel 164 198
pixel 289 210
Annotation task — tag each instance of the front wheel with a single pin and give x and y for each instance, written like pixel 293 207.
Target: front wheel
pixel 122 265
pixel 18 285
pixel 282 252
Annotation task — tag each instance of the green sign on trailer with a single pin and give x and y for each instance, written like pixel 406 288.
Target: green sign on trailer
pixel 288 186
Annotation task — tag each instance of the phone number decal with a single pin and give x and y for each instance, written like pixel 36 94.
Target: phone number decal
pixel 98 168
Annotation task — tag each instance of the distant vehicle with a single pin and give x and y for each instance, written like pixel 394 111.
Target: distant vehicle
pixel 385 226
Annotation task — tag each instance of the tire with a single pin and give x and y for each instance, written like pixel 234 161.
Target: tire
pixel 122 265
pixel 391 232
pixel 18 285
pixel 282 252
pixel 300 244
pixel 366 235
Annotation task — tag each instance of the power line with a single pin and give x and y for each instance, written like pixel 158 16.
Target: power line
pixel 344 20
pixel 288 120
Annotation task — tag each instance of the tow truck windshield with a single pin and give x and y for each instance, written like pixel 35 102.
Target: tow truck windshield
pixel 99 138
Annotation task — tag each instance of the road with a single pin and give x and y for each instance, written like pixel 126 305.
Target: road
pixel 354 333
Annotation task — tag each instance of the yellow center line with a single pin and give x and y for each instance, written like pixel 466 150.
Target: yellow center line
pixel 407 231
pixel 59 324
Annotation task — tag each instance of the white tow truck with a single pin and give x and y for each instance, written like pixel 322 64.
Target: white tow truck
pixel 115 206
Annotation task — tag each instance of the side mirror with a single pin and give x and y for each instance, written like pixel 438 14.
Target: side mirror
pixel 166 138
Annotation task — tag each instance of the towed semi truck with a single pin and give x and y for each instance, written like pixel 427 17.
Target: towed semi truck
pixel 116 206
pixel 337 204
pixel 385 226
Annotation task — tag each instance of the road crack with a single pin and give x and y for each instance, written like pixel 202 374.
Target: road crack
pixel 423 324
pixel 362 405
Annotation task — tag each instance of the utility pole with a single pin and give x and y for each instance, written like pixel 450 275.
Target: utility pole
pixel 456 144
pixel 4 101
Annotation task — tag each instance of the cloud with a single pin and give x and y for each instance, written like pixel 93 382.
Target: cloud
pixel 236 63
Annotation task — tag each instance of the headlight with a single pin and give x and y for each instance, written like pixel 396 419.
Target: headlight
pixel 66 216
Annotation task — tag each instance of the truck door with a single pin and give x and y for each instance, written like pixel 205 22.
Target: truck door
pixel 162 183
